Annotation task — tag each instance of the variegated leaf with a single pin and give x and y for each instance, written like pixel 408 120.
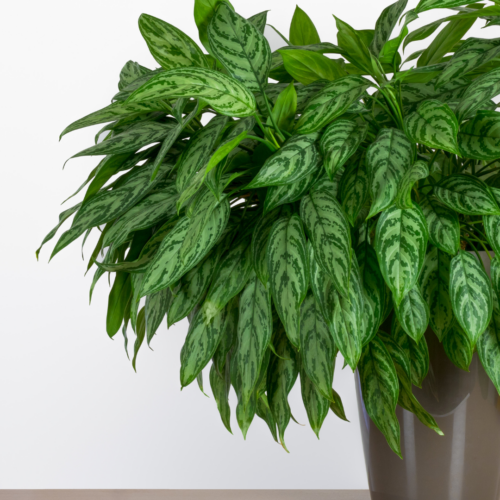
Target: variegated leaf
pixel 329 232
pixel 488 345
pixel 466 195
pixel 331 102
pixel 380 388
pixel 479 138
pixel 170 46
pixel 337 406
pixel 485 87
pixel 424 5
pixel 387 159
pixel 260 239
pixel 399 358
pixel 434 285
pixel 471 294
pixel 223 93
pixel 418 354
pixel 315 404
pixel 492 229
pixel 416 172
pixel 385 25
pixel 240 47
pixel 295 160
pixel 409 402
pixel 202 340
pixel 204 10
pixel 254 334
pixel 325 184
pixel 339 142
pixel 228 339
pixel 169 265
pixel 198 152
pixel 140 334
pixel 375 291
pixel 400 243
pixel 130 72
pixel 288 272
pixel 458 347
pixel 495 281
pixel 318 349
pixel 265 413
pixel 220 386
pixel 355 189
pixel 259 20
pixel 281 376
pixel 413 314
pixel 231 276
pixel 443 225
pixel 433 124
pixel 156 308
pixel 119 297
pixel 473 53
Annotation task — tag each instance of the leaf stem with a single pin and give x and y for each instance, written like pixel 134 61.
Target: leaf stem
pixel 271 146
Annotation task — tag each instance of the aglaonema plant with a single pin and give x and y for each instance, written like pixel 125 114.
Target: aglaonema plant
pixel 294 204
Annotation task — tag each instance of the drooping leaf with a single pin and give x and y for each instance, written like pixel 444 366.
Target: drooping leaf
pixel 458 347
pixel 223 93
pixel 294 161
pixel 220 386
pixel 471 294
pixel 228 339
pixel 288 272
pixel 117 302
pixel 400 243
pixel 488 349
pixel 315 403
pixel 380 388
pixel 170 46
pixel 240 47
pixel 339 142
pixel 435 125
pixel 492 230
pixel 419 170
pixel 479 138
pixel 443 225
pixel 330 235
pixel 302 29
pixel 466 195
pixel 424 5
pixel 385 25
pixel 140 334
pixel 413 314
pixel 355 189
pixel 265 413
pixel 387 159
pixel 156 308
pixel 331 102
pixel 434 285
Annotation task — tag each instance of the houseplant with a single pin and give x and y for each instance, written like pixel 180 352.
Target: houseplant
pixel 294 205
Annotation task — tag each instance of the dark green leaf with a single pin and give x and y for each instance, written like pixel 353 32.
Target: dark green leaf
pixel 385 25
pixel 302 29
pixel 458 347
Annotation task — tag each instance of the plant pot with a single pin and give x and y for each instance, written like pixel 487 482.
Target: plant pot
pixel 464 464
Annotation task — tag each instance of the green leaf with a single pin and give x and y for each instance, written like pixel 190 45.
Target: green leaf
pixel 117 302
pixel 387 159
pixel 254 334
pixel 307 66
pixel 140 332
pixel 492 230
pixel 224 94
pixel 355 189
pixel 204 11
pixel 458 347
pixel 342 315
pixel 474 53
pixel 170 46
pixel 240 47
pixel 488 350
pixel 375 291
pixel 471 294
pixel 281 376
pixel 315 404
pixel 399 358
pixel 134 138
pixel 202 340
pixel 413 314
pixel 199 149
pixel 220 389
pixel 331 102
pixel 318 349
pixel 380 389
pixel 479 138
pixel 228 339
pixel 156 308
pixel 400 243
pixel 443 225
pixel 288 272
pixel 110 113
pixel 330 235
pixel 424 5
pixel 466 195
pixel 302 29
pixel 231 276
pixel 416 172
pixel 285 108
pixel 169 264
pixel 192 287
pixel 339 142
pixel 265 413
pixel 294 161
pixel 435 125
pixel 130 72
pixel 418 354
pixel 485 87
pixel 337 407
pixel 434 285
pixel 385 25
pixel 259 20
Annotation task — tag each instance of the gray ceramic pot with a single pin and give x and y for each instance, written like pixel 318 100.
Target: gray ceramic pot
pixel 462 465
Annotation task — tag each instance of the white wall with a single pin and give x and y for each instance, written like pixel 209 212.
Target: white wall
pixel 73 414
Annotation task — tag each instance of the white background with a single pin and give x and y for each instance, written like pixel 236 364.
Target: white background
pixel 73 413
